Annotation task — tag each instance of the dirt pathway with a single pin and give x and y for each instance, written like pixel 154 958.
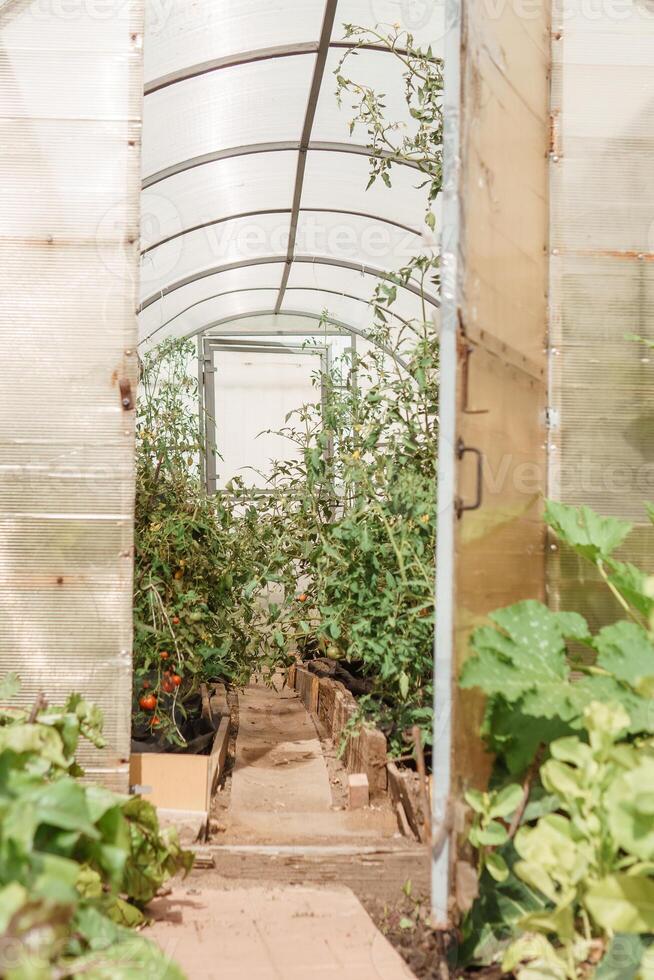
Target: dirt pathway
pixel 273 902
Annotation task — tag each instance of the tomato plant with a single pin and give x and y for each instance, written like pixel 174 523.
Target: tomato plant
pixel 191 613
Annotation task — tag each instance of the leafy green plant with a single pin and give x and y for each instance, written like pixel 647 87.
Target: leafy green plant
pixel 576 712
pixel 77 862
pixel 537 687
pixel 192 614
pixel 593 859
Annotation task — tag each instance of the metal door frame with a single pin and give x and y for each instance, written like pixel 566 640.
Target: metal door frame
pixel 208 347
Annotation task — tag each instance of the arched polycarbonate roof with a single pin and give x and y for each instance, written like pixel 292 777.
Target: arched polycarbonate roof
pixel 254 191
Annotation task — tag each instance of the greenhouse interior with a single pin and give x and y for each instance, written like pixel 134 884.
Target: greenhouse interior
pixel 327 489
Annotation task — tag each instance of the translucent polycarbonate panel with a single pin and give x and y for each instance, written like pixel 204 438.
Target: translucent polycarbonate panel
pixel 208 292
pixel 217 310
pixel 424 19
pixel 331 279
pixel 602 210
pixel 351 311
pixel 352 238
pixel 245 240
pixel 76 192
pixel 255 391
pixel 375 69
pixel 68 271
pixel 94 25
pixel 602 283
pixel 216 192
pixel 180 34
pixel 339 180
pixel 255 103
pixel 39 100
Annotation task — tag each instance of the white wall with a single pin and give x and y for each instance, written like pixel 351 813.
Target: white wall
pixel 254 392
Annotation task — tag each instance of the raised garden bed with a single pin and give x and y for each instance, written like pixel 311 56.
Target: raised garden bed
pixel 334 708
pixel 180 781
pixel 184 781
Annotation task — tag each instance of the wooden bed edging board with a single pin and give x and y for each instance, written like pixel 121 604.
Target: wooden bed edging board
pixel 173 781
pixel 333 706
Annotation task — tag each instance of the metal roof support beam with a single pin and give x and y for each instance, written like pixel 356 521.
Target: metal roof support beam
pixel 281 146
pixel 257 214
pixel 267 289
pixel 365 270
pixel 250 58
pixel 307 129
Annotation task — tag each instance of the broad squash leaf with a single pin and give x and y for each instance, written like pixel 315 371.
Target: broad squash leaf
pixel 624 650
pixel 590 535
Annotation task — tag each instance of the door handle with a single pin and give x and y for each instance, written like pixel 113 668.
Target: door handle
pixel 459 506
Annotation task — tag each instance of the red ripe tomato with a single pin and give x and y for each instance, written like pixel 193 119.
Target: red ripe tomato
pixel 148 702
pixel 146 685
pixel 168 685
pixel 176 680
pixel 156 721
pixel 164 655
pixel 175 620
pixel 303 597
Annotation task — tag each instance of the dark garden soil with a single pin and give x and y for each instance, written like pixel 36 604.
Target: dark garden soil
pixel 405 924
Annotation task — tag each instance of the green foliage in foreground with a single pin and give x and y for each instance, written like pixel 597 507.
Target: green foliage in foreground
pixel 77 862
pixel 566 860
pixel 524 664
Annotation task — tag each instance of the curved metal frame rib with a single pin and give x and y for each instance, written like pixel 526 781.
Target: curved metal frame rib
pixel 250 58
pixel 266 289
pixel 301 259
pixel 276 146
pixel 265 211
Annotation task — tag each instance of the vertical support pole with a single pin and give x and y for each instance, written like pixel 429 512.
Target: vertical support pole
pixel 201 419
pixel 354 370
pixel 210 415
pixel 444 660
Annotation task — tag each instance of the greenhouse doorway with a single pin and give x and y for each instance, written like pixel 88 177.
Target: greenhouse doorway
pixel 243 407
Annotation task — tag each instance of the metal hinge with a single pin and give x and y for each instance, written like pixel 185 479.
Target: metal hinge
pixel 552 418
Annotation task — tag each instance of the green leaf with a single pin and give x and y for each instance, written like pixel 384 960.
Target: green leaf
pixel 622 959
pixel 633 584
pixel 493 835
pixel 496 866
pixel 629 803
pixel 539 953
pixel 476 800
pixel 507 801
pixel 571 750
pixel 527 652
pixel 620 903
pixel 590 535
pixel 9 686
pixel 563 780
pixel 624 650
pixel 551 844
pixel 63 804
pixel 525 660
